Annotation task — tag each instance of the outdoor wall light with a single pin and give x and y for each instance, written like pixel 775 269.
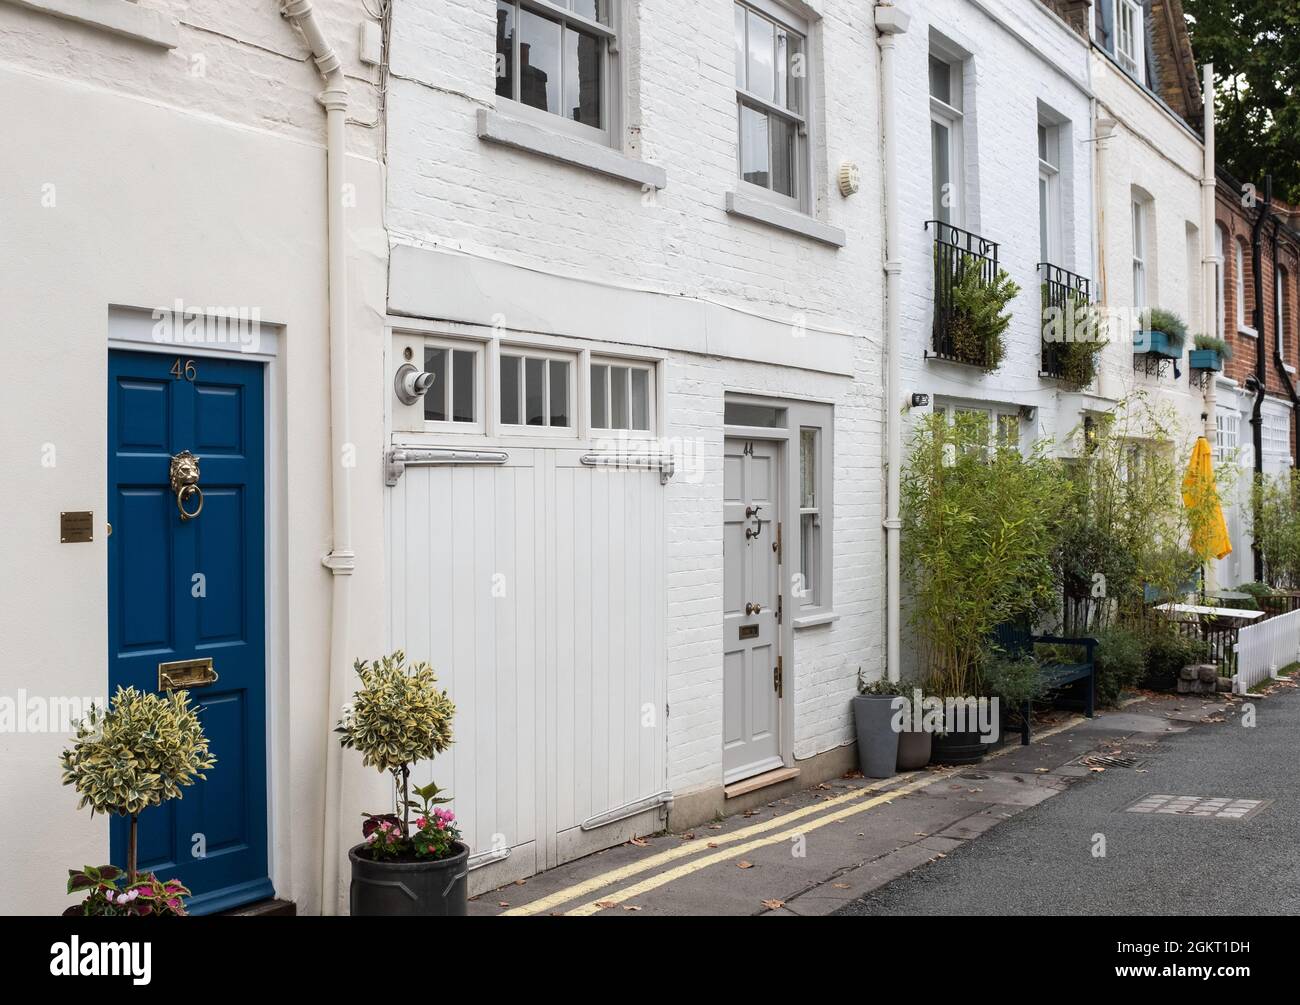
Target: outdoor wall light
pixel 849 178
pixel 1027 412
pixel 920 400
pixel 411 383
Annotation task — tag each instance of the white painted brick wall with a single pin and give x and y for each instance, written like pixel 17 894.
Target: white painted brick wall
pixel 1020 55
pixel 448 188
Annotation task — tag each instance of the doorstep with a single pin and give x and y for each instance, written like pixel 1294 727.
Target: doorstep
pixel 762 781
pixel 263 909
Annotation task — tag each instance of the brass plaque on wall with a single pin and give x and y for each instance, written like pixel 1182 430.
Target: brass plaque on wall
pixel 76 526
pixel 749 631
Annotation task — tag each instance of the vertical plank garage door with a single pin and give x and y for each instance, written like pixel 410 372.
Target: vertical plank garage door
pixel 536 589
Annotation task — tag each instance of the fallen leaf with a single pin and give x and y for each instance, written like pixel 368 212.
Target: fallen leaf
pixel 711 844
pixel 1042 771
pixel 605 905
pixel 521 882
pixel 639 842
pixel 503 903
pixel 688 836
pixel 774 905
pixel 840 886
pixel 920 834
pixel 743 864
pixel 630 907
pixel 1097 769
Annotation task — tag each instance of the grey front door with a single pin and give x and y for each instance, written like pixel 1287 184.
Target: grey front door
pixel 750 632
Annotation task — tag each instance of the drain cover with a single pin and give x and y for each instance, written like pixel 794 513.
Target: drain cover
pixel 1111 761
pixel 1222 807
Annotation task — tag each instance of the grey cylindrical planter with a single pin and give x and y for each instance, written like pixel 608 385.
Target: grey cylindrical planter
pixel 410 889
pixel 913 750
pixel 873 716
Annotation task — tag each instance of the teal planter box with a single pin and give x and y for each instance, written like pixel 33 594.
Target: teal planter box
pixel 1205 359
pixel 1157 344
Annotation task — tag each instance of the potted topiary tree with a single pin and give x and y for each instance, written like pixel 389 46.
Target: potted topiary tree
pixel 137 753
pixel 405 867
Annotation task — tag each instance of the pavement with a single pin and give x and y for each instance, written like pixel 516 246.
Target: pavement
pixel 992 838
pixel 1046 861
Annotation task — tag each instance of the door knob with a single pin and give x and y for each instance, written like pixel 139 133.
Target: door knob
pixel 752 608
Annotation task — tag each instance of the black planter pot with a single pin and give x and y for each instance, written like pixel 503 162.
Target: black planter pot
pixel 410 889
pixel 958 748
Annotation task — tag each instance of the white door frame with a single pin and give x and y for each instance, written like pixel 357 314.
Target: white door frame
pixel 133 329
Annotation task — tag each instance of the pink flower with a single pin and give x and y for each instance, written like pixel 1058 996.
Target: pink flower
pixel 422 822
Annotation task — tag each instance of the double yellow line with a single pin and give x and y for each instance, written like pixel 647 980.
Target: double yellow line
pixel 743 841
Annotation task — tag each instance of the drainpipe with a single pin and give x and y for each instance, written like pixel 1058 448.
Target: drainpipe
pixel 1261 372
pixel 1209 267
pixel 1210 262
pixel 341 560
pixel 890 22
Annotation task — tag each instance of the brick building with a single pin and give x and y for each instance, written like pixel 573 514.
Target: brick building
pixel 1258 282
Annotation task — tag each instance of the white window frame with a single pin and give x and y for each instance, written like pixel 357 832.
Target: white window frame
pixel 525 351
pixel 1275 435
pixel 999 416
pixel 801 119
pixel 611 88
pixel 813 590
pixel 951 117
pixel 1219 290
pixel 1141 229
pixel 652 392
pixel 1239 263
pixel 1130 55
pixel 1227 430
pixel 1049 179
pixel 1279 310
pixel 454 345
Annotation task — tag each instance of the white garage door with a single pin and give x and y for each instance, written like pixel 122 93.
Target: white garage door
pixel 536 589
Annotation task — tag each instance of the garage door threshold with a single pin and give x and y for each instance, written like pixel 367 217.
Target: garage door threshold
pixel 762 781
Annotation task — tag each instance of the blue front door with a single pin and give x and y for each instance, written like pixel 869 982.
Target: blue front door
pixel 193 589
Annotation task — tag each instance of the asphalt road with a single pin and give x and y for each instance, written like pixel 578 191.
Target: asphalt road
pixel 1042 862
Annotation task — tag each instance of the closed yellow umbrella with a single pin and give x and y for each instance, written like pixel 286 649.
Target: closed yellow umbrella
pixel 1201 496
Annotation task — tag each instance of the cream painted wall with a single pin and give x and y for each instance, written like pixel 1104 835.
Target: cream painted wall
pixel 128 182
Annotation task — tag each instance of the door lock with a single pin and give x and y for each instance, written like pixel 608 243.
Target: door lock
pixel 752 608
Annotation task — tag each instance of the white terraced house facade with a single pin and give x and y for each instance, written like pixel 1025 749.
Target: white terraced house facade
pixel 566 345
pixel 640 533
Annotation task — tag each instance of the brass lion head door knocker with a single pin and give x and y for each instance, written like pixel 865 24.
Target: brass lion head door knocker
pixel 185 483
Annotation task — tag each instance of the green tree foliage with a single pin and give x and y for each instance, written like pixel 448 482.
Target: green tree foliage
pixel 1126 527
pixel 1275 526
pixel 1255 48
pixel 979 529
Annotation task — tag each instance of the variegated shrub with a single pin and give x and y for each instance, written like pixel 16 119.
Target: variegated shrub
pixel 137 753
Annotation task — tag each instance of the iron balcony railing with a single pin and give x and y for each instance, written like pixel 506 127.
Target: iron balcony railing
pixel 955 252
pixel 1062 290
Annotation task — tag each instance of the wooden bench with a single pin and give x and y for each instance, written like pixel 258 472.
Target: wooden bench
pixel 1016 641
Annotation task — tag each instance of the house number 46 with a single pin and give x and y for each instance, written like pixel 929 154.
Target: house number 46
pixel 187 372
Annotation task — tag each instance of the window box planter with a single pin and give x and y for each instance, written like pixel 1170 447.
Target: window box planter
pixel 1154 343
pixel 1205 359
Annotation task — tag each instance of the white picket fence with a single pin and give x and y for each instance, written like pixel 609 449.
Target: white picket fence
pixel 1265 648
